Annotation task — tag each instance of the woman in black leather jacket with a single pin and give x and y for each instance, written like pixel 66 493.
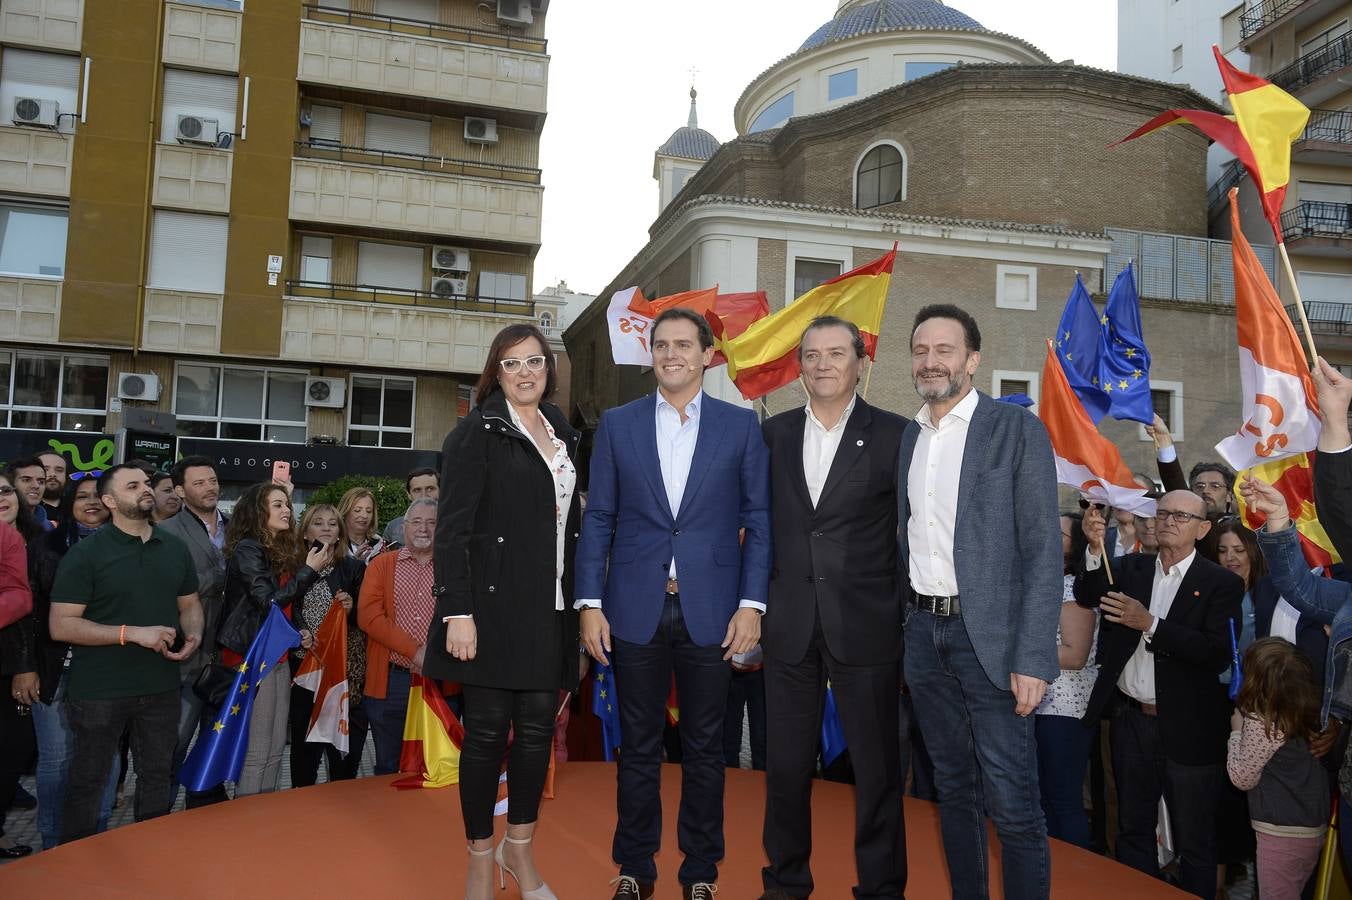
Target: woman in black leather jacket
pixel 265 564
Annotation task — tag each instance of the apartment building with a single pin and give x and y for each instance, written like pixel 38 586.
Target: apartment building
pixel 263 221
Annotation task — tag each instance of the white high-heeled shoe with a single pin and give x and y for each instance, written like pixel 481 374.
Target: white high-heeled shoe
pixel 479 854
pixel 540 893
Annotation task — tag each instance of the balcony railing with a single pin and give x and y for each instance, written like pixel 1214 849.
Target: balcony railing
pixel 1334 56
pixel 419 27
pixel 1317 218
pixel 1326 317
pixel 366 293
pixel 1330 126
pixel 1261 15
pixel 1233 173
pixel 439 164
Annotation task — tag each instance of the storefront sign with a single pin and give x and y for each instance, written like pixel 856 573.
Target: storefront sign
pixel 84 451
pixel 251 461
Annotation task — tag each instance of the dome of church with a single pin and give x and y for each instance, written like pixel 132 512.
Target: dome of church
pixel 690 141
pixel 875 16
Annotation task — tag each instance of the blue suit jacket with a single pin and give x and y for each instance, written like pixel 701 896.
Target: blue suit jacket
pixel 629 535
pixel 1006 543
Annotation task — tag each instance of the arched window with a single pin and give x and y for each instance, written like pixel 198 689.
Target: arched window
pixel 880 177
pixel 546 321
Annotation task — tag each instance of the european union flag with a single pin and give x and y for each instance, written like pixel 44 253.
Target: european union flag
pixel 1079 345
pixel 606 706
pixel 219 755
pixel 1124 362
pixel 833 734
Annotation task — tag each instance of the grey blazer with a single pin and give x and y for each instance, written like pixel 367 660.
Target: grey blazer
pixel 210 565
pixel 1007 541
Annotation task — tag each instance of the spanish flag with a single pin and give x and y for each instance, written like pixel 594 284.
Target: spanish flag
pixel 765 356
pixel 433 737
pixel 1265 121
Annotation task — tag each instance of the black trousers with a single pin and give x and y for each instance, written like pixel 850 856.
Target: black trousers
pixel 305 757
pixel 17 743
pixel 97 727
pixel 868 700
pixel 643 681
pixel 489 712
pixel 1143 775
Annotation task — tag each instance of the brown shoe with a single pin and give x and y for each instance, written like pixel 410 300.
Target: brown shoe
pixel 630 888
pixel 700 890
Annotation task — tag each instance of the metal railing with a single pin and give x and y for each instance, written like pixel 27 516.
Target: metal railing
pixel 1317 218
pixel 318 12
pixel 1233 173
pixel 1261 15
pixel 1326 317
pixel 367 293
pixel 441 165
pixel 1331 126
pixel 1332 57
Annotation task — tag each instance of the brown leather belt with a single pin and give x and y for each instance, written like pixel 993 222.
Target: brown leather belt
pixel 673 587
pixel 1149 709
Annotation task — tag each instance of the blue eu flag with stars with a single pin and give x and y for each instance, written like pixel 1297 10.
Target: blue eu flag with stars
pixel 606 706
pixel 1079 344
pixel 218 754
pixel 1124 361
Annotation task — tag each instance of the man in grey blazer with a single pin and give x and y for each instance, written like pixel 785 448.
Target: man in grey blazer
pixel 200 525
pixel 979 533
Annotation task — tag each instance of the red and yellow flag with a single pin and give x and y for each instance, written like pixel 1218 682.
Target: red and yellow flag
pixel 1294 478
pixel 433 737
pixel 765 356
pixel 1265 121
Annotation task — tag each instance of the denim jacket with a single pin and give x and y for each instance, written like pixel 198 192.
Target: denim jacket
pixel 1323 599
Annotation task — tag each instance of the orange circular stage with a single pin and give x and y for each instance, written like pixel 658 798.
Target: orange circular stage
pixel 365 839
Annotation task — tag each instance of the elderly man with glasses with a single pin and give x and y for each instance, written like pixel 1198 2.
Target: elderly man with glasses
pixel 1165 638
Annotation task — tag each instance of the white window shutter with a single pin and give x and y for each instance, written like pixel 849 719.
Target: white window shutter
pixel 198 94
pixel 44 76
pixel 187 252
pixel 399 134
pixel 390 266
pixel 326 124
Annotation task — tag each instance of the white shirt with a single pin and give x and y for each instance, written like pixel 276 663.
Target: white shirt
pixel 819 448
pixel 932 486
pixel 1138 678
pixel 1285 618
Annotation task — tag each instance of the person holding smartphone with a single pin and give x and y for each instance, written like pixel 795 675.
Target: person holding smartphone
pixel 361 521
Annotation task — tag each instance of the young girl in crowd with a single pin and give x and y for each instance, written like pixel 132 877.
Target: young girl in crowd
pixel 1276 716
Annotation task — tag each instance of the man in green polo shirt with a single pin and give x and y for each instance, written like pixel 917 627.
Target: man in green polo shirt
pixel 122 598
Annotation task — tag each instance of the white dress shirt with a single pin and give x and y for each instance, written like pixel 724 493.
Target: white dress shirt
pixel 932 486
pixel 1138 677
pixel 1285 618
pixel 819 448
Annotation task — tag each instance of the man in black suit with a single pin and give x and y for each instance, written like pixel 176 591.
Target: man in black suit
pixel 834 614
pixel 1164 640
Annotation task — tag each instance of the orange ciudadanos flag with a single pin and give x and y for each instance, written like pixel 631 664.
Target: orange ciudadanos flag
pixel 1264 122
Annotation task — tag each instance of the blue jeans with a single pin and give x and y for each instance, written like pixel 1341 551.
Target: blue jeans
pixel 56 744
pixel 1062 757
pixel 985 759
pixel 386 716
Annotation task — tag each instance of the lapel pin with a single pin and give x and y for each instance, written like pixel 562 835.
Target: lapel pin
pixel 1197 593
pixel 859 443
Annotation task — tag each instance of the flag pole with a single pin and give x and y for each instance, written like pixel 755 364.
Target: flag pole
pixel 1300 304
pixel 1107 567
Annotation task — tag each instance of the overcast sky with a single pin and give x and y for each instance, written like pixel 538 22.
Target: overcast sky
pixel 619 83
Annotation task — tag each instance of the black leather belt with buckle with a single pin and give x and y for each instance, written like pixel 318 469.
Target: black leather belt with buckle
pixel 939 606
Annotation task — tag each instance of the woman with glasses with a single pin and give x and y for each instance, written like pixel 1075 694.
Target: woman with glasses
pixel 504 624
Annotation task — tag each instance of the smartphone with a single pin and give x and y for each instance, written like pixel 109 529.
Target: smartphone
pixel 316 546
pixel 281 472
pixel 179 640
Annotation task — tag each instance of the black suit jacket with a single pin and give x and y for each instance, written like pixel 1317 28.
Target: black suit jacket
pixel 1191 647
pixel 838 560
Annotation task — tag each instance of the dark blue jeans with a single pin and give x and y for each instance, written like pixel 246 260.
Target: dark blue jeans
pixel 1062 758
pixel 985 759
pixel 746 700
pixel 386 716
pixel 643 681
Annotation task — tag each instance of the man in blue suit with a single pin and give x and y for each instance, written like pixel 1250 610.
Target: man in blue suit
pixel 672 571
pixel 979 533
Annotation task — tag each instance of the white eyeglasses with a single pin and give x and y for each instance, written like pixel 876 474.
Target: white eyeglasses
pixel 532 363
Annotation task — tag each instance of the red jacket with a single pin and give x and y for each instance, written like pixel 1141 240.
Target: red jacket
pixel 375 616
pixel 16 599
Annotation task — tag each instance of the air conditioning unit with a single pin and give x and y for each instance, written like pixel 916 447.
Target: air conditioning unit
pixel 197 130
pixel 36 112
pixel 481 131
pixel 447 288
pixel 515 12
pixel 138 386
pixel 326 392
pixel 450 259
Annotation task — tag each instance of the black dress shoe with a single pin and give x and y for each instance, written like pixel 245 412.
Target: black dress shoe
pixel 630 888
pixel 700 890
pixel 15 852
pixel 23 799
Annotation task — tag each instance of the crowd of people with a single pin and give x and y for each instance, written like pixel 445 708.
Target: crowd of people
pixel 985 648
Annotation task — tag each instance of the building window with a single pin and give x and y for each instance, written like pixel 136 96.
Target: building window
pixel 418 10
pixel 1166 397
pixel 1325 193
pixel 316 259
pixel 1178 57
pixel 33 240
pixel 398 134
pixel 546 321
pixel 1005 383
pixel 1324 38
pixel 187 252
pixel 811 273
pixel 775 114
pixel 1231 30
pixel 381 412
pixel 464 400
pixel 240 404
pixel 1016 287
pixel 326 125
pixel 916 70
pixel 840 85
pixel 1326 287
pixel 53 392
pixel 40 76
pixel 198 94
pixel 392 266
pixel 502 286
pixel 880 177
